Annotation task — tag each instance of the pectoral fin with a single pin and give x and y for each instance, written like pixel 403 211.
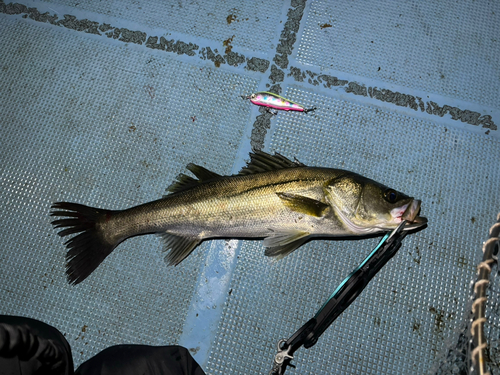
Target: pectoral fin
pixel 304 205
pixel 180 247
pixel 281 244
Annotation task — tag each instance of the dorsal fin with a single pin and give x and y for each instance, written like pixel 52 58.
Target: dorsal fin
pixel 182 182
pixel 185 182
pixel 261 161
pixel 202 173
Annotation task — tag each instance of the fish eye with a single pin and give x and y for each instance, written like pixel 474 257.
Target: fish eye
pixel 253 96
pixel 391 195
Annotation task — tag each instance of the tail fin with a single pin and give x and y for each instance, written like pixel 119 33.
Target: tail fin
pixel 87 249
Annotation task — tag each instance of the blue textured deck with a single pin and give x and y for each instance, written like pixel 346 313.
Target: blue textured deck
pixel 104 103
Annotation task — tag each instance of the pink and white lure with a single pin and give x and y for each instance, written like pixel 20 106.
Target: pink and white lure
pixel 271 100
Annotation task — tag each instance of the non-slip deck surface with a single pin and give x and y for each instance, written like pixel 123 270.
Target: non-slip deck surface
pixel 104 104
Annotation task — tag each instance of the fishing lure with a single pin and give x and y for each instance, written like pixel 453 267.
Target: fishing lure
pixel 270 100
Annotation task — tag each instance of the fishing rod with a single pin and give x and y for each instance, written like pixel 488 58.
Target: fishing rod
pixel 348 290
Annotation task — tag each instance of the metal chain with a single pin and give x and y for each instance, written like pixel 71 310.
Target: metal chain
pixel 479 354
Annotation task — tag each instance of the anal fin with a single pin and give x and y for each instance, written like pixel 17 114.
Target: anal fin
pixel 180 247
pixel 281 244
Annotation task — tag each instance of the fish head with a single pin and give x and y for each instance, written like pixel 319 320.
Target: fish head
pixel 366 206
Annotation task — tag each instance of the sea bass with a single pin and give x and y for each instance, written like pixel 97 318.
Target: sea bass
pixel 283 201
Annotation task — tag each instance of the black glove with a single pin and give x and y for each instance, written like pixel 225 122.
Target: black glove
pixel 28 346
pixel 141 359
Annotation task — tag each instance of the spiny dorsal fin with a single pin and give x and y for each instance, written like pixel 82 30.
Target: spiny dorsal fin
pixel 261 161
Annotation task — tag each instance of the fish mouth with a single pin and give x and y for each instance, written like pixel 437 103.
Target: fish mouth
pixel 410 214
